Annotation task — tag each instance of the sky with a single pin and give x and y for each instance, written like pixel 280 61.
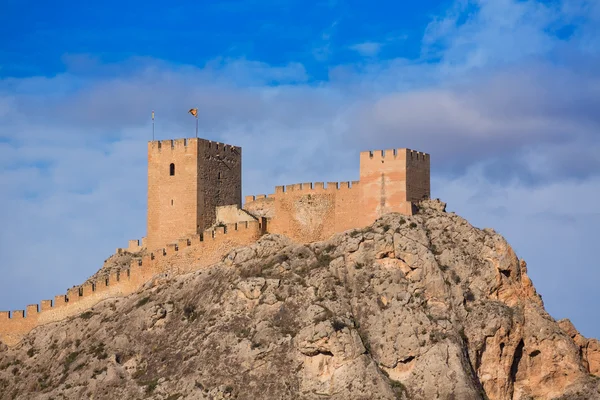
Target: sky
pixel 504 95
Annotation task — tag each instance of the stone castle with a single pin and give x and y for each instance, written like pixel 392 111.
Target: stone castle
pixel 195 217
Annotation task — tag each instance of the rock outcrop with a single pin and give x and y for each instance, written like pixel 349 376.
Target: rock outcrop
pixel 421 307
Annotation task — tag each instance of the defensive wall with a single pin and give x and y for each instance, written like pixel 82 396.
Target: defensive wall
pixel 187 180
pixel 390 181
pixel 196 183
pixel 186 255
pixel 133 246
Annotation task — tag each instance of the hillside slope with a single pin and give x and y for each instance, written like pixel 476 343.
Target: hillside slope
pixel 422 307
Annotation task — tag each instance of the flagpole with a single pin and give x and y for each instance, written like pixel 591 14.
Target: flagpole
pixel 196 127
pixel 153 125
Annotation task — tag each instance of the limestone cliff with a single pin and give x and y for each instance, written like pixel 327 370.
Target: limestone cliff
pixel 420 307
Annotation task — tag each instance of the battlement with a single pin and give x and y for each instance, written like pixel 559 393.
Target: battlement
pixel 195 217
pixel 133 246
pixel 185 143
pixel 185 255
pixel 392 154
pixel 314 187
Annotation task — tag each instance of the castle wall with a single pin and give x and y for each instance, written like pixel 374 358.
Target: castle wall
pixel 390 181
pixel 418 183
pixel 233 214
pixel 172 199
pixel 188 254
pixel 260 205
pixel 182 200
pixel 206 187
pixel 307 212
pixel 219 180
pixel 383 178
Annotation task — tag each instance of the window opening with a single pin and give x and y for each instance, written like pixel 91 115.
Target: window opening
pixel 172 169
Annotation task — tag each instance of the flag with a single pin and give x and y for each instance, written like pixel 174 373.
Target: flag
pixel 194 112
pixel 152 115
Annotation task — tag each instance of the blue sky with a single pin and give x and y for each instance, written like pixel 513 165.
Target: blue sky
pixel 503 94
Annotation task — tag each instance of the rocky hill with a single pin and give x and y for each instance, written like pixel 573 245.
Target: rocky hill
pixel 422 307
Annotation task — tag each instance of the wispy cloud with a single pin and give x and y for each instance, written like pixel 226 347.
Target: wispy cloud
pixel 506 105
pixel 368 49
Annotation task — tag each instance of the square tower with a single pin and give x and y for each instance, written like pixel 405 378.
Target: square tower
pixel 391 181
pixel 187 179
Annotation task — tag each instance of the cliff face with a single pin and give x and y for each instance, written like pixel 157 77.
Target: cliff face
pixel 421 307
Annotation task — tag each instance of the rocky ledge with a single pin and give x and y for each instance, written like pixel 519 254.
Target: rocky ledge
pixel 421 307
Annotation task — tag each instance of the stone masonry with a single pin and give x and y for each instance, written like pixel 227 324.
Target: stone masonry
pixel 187 180
pixel 195 217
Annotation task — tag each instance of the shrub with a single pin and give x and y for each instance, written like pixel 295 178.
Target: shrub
pixel 413 225
pixel 189 312
pixel 323 260
pixel 455 277
pixel 469 296
pixel 355 233
pixel 70 359
pixel 398 388
pixel 143 301
pixel 338 325
pixel 329 248
pixel 99 351
pixel 86 315
pixel 151 385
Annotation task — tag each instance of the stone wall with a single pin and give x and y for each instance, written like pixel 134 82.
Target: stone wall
pixel 390 181
pixel 232 214
pixel 188 254
pixel 187 179
pixel 260 205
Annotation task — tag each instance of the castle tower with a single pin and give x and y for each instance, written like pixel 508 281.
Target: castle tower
pixel 390 180
pixel 187 179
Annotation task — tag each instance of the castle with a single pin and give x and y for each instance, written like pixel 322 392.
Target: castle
pixel 195 217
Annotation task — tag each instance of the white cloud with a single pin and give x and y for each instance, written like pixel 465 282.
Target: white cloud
pixel 367 49
pixel 513 146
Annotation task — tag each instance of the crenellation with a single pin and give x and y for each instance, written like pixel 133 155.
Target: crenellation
pixel 101 285
pixel 87 289
pixel 166 144
pixel 73 295
pixel 60 301
pixel 195 239
pixel 46 305
pixel 114 277
pixel 171 248
pixel 193 181
pixel 32 310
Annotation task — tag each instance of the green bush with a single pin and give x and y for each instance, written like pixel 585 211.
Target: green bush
pixel 143 301
pixel 86 315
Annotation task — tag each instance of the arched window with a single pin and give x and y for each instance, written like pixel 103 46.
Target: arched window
pixel 172 169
